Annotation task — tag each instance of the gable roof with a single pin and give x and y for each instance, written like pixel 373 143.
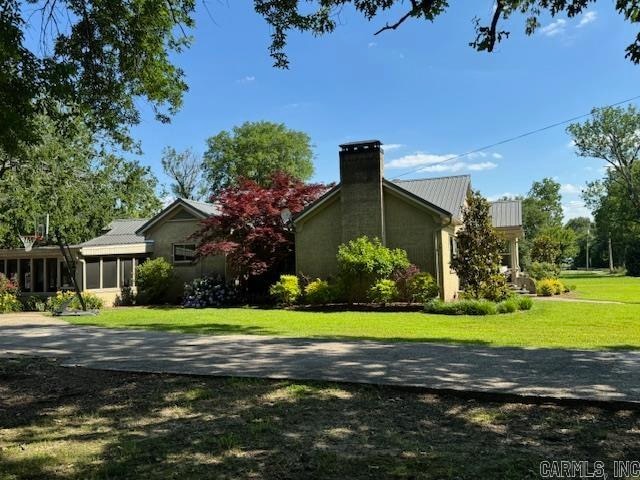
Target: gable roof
pixel 118 232
pixel 448 193
pixel 200 210
pixel 506 213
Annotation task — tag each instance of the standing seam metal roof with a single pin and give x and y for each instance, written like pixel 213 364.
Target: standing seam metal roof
pixel 448 193
pixel 506 213
pixel 118 232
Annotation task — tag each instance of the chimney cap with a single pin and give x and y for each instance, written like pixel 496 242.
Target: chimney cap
pixel 361 145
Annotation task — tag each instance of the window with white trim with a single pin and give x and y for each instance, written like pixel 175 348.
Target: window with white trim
pixel 184 252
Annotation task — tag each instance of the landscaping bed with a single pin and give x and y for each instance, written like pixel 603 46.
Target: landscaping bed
pixel 73 423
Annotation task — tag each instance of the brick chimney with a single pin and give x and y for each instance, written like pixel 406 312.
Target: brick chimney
pixel 361 168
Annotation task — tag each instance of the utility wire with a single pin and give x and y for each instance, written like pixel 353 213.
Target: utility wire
pixel 517 137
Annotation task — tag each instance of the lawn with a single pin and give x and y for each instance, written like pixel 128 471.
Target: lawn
pixel 548 324
pixel 601 286
pixel 73 423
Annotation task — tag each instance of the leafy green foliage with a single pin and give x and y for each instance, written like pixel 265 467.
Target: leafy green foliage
pixel 319 292
pixel 9 303
pixel 95 57
pixel 256 151
pixel 362 262
pixel 422 288
pixel 81 187
pixel 540 270
pixel 383 291
pixel 284 16
pixel 633 259
pixel 549 286
pixel 286 290
pixel 185 169
pixel 524 303
pixel 461 307
pixel 34 303
pixel 154 279
pixel 507 306
pixel 478 259
pixel 56 302
pixel 8 286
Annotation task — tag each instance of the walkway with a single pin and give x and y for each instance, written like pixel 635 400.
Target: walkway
pixel 565 374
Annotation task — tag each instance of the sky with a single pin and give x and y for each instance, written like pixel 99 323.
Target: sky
pixel 421 90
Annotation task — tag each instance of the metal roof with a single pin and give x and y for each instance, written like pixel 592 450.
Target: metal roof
pixel 206 208
pixel 118 232
pixel 506 213
pixel 448 193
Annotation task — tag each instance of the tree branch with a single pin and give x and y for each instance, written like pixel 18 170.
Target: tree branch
pixel 415 9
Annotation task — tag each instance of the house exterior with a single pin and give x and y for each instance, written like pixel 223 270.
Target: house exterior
pixel 419 216
pixel 107 263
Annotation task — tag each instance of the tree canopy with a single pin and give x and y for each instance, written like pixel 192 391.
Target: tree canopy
pixel 255 151
pixel 184 168
pixel 321 17
pixel 542 207
pixel 81 188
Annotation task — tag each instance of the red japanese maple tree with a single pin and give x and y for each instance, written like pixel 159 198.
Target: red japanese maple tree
pixel 251 228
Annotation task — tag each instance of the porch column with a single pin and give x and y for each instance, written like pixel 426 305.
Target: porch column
pixel 515 259
pixel 32 275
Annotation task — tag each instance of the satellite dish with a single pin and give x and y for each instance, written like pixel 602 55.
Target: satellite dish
pixel 286 215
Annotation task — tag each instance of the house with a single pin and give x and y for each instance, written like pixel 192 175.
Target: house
pixel 107 263
pixel 419 216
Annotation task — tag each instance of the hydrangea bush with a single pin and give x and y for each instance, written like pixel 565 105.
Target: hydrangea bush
pixel 208 292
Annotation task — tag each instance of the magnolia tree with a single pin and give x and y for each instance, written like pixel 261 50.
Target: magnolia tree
pixel 254 228
pixel 478 259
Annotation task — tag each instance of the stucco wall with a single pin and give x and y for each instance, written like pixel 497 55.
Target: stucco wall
pixel 177 230
pixel 317 239
pixel 411 228
pixel 449 282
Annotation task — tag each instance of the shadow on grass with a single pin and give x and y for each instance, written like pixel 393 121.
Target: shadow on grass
pixel 130 426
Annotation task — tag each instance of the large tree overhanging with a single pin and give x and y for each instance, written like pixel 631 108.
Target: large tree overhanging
pixel 319 17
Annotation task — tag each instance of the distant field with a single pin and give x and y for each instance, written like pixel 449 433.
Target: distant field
pixel 598 285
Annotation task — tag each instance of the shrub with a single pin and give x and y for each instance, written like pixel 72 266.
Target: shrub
pixel 34 303
pixel 508 306
pixel 524 303
pixel 126 297
pixel 56 302
pixel 495 289
pixel 154 279
pixel 462 307
pixel 208 292
pixel 403 277
pixel 319 292
pixel 362 262
pixel 9 303
pixel 7 286
pixel 384 291
pixel 542 270
pixel 423 288
pixel 546 287
pixel 286 290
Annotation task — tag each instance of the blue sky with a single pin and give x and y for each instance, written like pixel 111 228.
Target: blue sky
pixel 420 90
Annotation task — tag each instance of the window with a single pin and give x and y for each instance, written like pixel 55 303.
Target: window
pixel 38 274
pixel 52 274
pixel 453 247
pixel 184 252
pixel 93 273
pixel 126 272
pixel 109 273
pixel 25 275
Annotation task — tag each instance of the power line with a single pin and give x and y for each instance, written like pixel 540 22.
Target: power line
pixel 517 137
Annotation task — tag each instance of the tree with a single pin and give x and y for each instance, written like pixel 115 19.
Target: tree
pixel 251 228
pixel 93 58
pixel 185 170
pixel 478 259
pixel 583 229
pixel 255 151
pixel 613 135
pixel 81 188
pixel 542 207
pixel 285 16
pixel 554 245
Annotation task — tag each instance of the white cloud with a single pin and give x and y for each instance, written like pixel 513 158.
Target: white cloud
pixel 571 144
pixel 588 18
pixel 392 146
pixel 438 163
pixel 570 189
pixel 418 159
pixel 575 208
pixel 247 79
pixel 473 155
pixel 554 28
pixel 497 156
pixel 372 44
pixel 477 167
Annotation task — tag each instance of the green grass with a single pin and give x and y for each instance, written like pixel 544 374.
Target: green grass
pixel 549 324
pixel 76 424
pixel 599 286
